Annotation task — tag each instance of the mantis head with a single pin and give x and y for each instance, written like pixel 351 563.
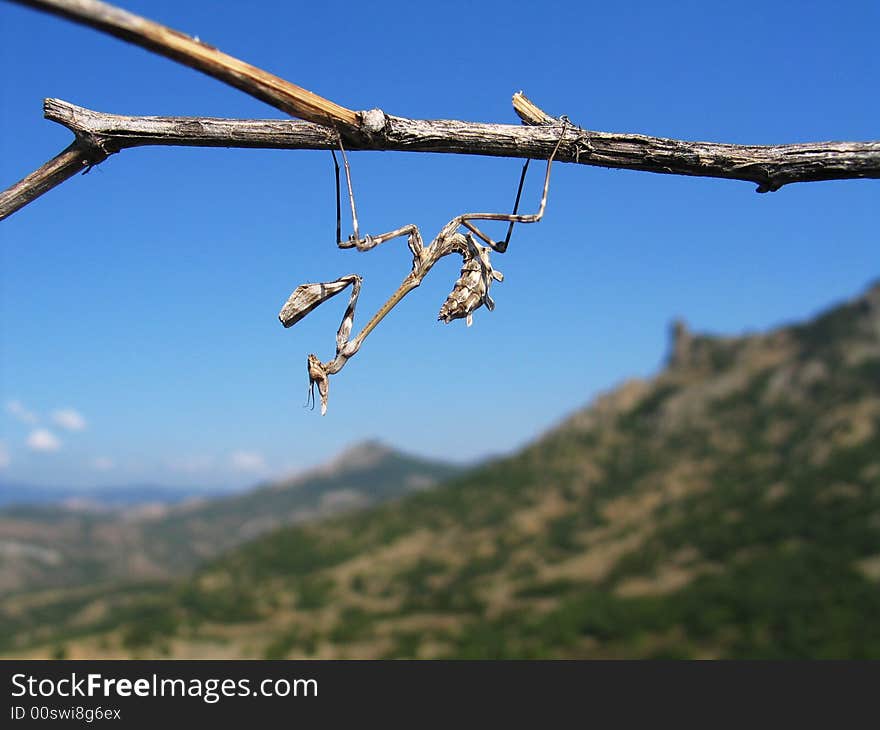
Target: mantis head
pixel 318 376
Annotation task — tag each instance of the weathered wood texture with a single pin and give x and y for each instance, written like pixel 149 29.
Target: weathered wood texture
pixel 770 167
pixel 78 157
pixel 196 54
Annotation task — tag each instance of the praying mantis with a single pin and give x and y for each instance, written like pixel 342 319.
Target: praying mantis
pixel 470 292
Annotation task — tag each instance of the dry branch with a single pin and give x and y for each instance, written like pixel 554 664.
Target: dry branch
pixel 78 157
pixel 196 54
pixel 770 167
pixel 98 135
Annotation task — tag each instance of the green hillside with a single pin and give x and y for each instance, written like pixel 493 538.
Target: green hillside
pixel 366 474
pixel 729 507
pixel 54 547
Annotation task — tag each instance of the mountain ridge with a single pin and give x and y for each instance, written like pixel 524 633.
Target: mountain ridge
pixel 728 506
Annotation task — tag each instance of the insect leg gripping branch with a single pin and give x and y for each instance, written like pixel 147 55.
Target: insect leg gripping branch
pixel 470 292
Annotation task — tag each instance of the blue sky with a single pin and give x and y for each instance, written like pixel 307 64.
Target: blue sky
pixel 138 304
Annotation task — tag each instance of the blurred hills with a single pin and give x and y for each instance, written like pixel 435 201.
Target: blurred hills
pixel 101 499
pixel 96 537
pixel 728 507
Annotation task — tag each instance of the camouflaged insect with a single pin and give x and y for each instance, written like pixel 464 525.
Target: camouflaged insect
pixel 469 293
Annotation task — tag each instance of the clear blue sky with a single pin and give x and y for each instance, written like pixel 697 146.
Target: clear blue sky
pixel 139 303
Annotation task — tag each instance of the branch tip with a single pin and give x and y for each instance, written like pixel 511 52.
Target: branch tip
pixel 531 113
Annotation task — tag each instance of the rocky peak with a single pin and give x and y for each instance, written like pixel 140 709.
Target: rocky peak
pixel 681 341
pixel 871 306
pixel 360 456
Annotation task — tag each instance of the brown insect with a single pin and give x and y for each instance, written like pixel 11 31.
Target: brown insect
pixel 470 292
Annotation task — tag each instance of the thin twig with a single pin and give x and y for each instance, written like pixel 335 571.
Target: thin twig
pixel 196 54
pixel 78 157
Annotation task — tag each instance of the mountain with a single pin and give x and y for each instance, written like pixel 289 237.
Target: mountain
pixel 16 494
pixel 728 507
pixel 54 546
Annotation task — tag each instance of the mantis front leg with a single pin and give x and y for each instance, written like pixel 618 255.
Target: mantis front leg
pixel 306 298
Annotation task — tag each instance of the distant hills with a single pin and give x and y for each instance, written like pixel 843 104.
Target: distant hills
pixel 728 507
pixel 62 544
pixel 16 494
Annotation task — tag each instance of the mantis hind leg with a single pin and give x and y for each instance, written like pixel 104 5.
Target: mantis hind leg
pixel 513 218
pixel 365 243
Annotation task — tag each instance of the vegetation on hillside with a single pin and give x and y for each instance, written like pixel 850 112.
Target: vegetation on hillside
pixel 49 547
pixel 729 507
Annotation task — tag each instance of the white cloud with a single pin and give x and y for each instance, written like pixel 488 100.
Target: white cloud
pixel 191 464
pixel 70 419
pixel 42 439
pixel 102 463
pixel 4 456
pixel 17 410
pixel 247 461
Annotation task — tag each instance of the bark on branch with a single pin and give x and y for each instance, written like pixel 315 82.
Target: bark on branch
pixel 80 156
pixel 99 134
